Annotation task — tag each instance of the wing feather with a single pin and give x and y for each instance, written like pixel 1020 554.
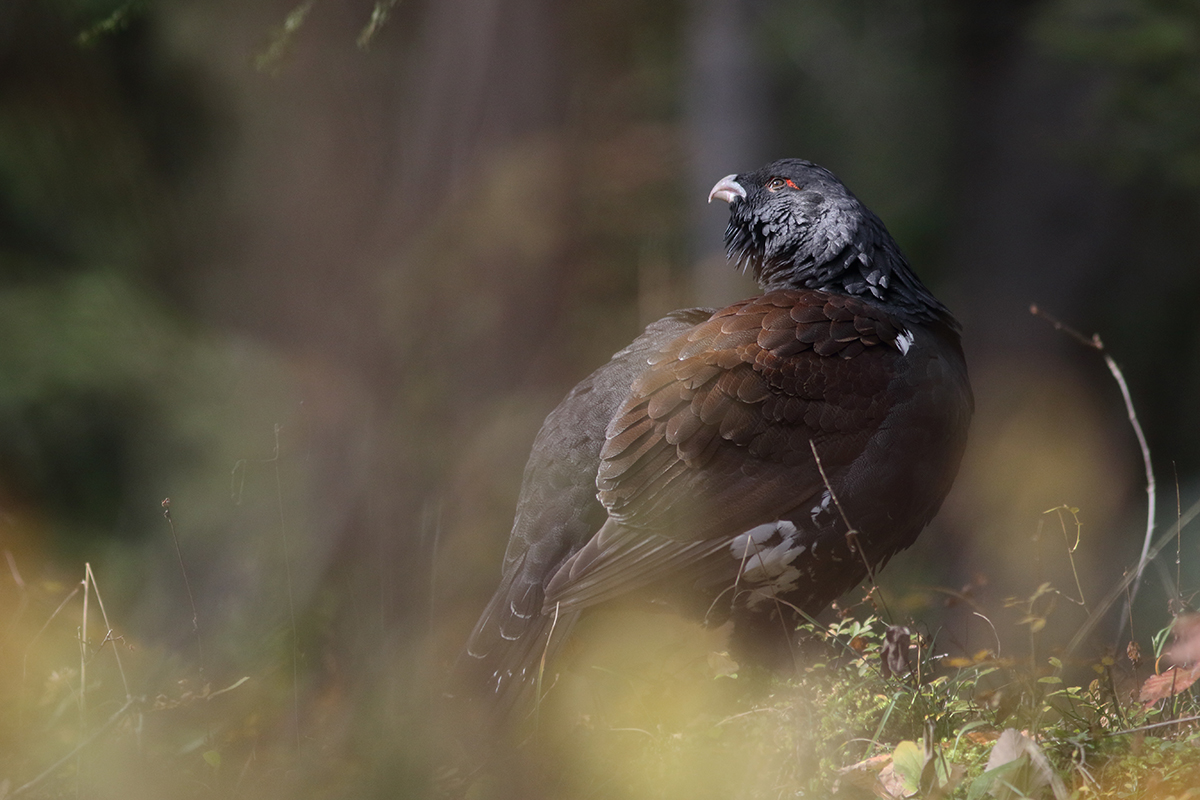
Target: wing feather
pixel 714 437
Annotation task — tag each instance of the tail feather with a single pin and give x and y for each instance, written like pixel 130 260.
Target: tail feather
pixel 502 669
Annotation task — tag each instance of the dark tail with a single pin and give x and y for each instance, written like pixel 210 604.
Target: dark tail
pixel 498 680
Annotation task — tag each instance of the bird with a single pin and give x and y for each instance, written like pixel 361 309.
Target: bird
pixel 749 464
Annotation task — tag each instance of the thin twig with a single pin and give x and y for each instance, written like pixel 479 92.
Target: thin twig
pixel 83 638
pixel 1178 537
pixel 1149 467
pixel 229 688
pixel 737 579
pixel 109 637
pixel 1129 603
pixel 108 634
pixel 236 488
pixel 1058 325
pixel 537 690
pixel 1071 548
pixel 631 730
pixel 759 710
pixel 187 585
pixel 995 635
pixel 1179 721
pixel 1098 345
pixel 851 531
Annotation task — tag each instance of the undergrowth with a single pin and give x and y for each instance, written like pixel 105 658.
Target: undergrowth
pixel 874 710
pixel 938 731
pixel 848 727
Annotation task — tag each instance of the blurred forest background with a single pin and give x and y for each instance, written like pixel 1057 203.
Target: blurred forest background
pixel 316 272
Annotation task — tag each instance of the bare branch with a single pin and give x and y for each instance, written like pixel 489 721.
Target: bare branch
pixel 1095 343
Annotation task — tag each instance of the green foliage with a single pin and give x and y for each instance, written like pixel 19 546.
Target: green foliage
pixel 978 728
pixel 1091 739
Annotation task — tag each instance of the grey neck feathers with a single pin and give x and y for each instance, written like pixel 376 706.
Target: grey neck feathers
pixel 854 255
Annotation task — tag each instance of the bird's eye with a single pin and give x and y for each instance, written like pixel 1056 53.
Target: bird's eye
pixel 775 184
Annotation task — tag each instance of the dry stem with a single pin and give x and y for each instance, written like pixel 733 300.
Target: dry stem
pixel 1095 343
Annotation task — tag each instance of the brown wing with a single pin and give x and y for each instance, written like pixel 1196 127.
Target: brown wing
pixel 714 438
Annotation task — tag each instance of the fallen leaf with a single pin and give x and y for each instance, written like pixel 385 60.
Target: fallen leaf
pixel 1169 683
pixel 891 785
pixel 861 779
pixel 872 764
pixel 982 737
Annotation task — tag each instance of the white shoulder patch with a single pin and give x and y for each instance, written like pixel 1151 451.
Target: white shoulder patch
pixel 905 340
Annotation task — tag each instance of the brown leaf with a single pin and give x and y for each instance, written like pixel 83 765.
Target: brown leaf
pixel 872 764
pixel 982 737
pixel 1134 653
pixel 861 779
pixel 1171 682
pixel 891 784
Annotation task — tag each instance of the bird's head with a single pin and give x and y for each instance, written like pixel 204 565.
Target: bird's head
pixel 798 227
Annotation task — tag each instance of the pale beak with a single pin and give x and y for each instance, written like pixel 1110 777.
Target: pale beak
pixel 727 189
